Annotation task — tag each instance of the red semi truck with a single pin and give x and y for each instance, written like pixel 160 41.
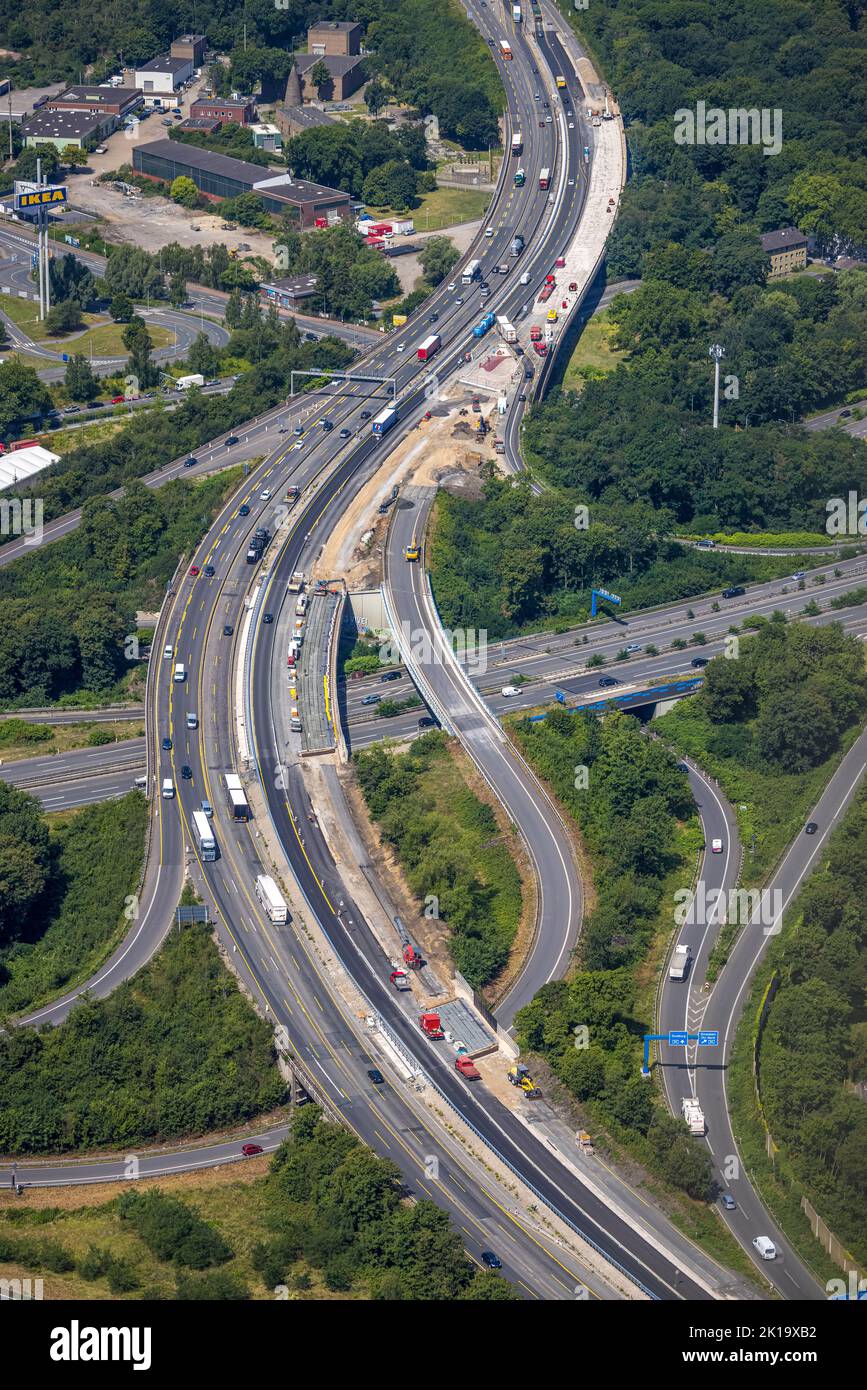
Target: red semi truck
pixel 429 347
pixel 430 1025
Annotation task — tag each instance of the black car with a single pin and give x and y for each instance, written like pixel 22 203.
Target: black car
pixel 243 510
pixel 699 661
pixel 209 571
pixel 365 414
pixel 391 676
pixel 190 463
pixel 426 722
pixel 434 318
pixel 734 591
pixel 327 425
pixel 606 681
pixel 375 1075
pixel 345 434
pixel 186 772
pixel 491 1260
pixel 310 337
pixel 228 630
pixel 233 439
pixel 267 617
pixel 167 745
pixel 810 828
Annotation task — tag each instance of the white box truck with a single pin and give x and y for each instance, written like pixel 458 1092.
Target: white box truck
pixel 679 967
pixel 272 899
pixel 193 379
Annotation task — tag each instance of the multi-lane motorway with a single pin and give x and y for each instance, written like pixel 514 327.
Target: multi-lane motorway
pixel 242 708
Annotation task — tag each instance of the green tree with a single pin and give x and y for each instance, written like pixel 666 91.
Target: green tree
pixel 184 191
pixel 22 396
pixel 64 317
pixel 319 76
pixel 121 308
pixel 80 382
pixel 438 256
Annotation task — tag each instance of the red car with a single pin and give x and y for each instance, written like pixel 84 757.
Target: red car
pixel 250 1150
pixel 118 400
pixel 194 570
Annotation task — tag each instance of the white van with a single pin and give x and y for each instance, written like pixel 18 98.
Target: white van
pixel 168 787
pixel 510 690
pixel 140 783
pixel 180 671
pixel 525 278
pixel 765 1247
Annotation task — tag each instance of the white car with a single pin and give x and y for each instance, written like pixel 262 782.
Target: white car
pixel 489 231
pixel 548 120
pixel 460 299
pixel 168 653
pixel 401 347
pixel 765 1247
pixel 453 286
pixel 571 183
pixel 800 574
pixel 716 846
pixel 510 690
pixel 634 647
pixel 264 494
pixel 571 125
pixel 299 445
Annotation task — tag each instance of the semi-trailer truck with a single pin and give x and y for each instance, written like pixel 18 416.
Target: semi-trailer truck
pixel 204 836
pixel 517 143
pixel 470 272
pixel 384 421
pixel 272 899
pixel 239 807
pixel 544 178
pixel 430 345
pixel 507 331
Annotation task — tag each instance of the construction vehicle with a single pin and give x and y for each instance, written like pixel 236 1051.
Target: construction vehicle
pixel 431 1027
pixel 519 1076
pixel 412 956
pixel 400 979
pixel 412 551
pixel 296 582
pixel 467 1067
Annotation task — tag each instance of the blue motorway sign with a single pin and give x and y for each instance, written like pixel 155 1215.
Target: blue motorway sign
pixel 678 1039
pixel 709 1039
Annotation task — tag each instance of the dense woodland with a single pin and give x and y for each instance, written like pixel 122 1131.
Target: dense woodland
pixel 175 1051
pixel 807 60
pixel 644 433
pixel 63 891
pixel 514 560
pixel 814 1047
pixel 66 609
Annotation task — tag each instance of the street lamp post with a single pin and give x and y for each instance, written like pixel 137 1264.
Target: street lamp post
pixel 717 352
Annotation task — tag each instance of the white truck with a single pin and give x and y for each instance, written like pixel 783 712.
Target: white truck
pixel 693 1114
pixel 506 330
pixel 194 379
pixel 679 966
pixel 516 14
pixel 296 582
pixel 272 899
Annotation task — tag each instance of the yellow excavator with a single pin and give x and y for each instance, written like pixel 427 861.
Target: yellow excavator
pixel 412 551
pixel 519 1076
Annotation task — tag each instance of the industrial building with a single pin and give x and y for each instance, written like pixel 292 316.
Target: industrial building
pixel 61 128
pixel 290 292
pixel 112 101
pixel 161 77
pixel 333 38
pixel 219 176
pixel 240 110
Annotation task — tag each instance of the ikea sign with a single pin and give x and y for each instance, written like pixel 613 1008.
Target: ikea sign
pixel 39 198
